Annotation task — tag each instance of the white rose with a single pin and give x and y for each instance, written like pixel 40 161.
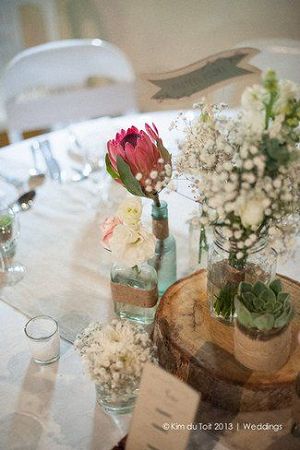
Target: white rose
pixel 130 210
pixel 132 245
pixel 252 212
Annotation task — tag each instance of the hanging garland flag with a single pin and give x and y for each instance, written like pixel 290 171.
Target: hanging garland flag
pixel 213 70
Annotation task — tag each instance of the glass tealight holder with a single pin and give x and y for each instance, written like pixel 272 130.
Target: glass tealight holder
pixel 43 337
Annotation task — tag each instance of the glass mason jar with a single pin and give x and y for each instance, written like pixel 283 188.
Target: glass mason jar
pixel 225 272
pixel 120 402
pixel 134 292
pixel 164 260
pixel 198 245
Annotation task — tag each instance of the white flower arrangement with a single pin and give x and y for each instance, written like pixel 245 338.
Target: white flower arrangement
pixel 245 170
pixel 114 355
pixel 129 241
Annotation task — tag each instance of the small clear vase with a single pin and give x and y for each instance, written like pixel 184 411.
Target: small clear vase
pixel 225 272
pixel 134 292
pixel 121 402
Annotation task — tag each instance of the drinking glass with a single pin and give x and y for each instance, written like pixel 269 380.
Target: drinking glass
pixel 91 147
pixel 43 337
pixel 9 232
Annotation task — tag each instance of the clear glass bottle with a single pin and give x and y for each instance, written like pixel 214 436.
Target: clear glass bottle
pixel 198 245
pixel 225 272
pixel 164 261
pixel 134 292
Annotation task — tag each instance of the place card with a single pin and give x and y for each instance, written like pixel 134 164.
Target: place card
pixel 164 410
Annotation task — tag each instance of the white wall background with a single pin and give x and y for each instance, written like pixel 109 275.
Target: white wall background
pixel 157 35
pixel 161 35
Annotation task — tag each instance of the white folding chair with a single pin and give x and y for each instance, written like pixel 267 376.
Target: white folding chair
pixel 66 81
pixel 282 55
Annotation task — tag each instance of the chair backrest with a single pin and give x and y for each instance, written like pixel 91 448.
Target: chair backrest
pixel 66 81
pixel 282 55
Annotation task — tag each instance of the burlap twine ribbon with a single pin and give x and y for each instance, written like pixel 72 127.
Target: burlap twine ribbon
pixel 160 228
pixel 134 296
pixel 267 355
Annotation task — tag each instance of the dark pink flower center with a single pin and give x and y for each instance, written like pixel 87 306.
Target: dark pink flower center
pixel 132 138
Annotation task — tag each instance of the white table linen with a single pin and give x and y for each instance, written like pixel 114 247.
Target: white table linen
pixel 68 278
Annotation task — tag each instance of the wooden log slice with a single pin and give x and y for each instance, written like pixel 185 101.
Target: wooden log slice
pixel 199 350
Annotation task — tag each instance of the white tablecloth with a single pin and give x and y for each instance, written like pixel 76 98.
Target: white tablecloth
pixel 68 278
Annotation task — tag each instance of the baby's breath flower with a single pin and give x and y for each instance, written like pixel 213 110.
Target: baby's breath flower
pixel 114 355
pixel 246 169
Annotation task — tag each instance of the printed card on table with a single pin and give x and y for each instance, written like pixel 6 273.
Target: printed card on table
pixel 162 402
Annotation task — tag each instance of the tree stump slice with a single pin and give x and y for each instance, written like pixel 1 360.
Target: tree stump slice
pixel 199 350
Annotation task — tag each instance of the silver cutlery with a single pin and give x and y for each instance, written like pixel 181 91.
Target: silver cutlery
pixel 24 202
pixel 35 151
pixel 51 163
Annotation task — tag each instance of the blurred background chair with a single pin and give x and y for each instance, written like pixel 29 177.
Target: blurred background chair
pixel 67 81
pixel 282 55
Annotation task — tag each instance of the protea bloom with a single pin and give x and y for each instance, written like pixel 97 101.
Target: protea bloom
pixel 138 160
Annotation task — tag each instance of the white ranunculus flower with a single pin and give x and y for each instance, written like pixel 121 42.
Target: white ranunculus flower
pixel 130 210
pixel 252 212
pixel 132 244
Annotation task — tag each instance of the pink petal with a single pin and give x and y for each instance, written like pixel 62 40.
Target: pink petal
pixel 131 158
pixel 113 151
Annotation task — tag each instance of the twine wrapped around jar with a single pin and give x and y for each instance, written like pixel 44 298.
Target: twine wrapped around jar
pixel 262 351
pixel 134 296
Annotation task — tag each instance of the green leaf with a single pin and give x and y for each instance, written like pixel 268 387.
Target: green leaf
pixel 268 296
pixel 243 315
pixel 245 287
pixel 264 322
pixel 130 182
pixel 249 299
pixel 258 287
pixel 164 152
pixel 282 320
pixel 276 286
pixel 258 304
pixel 283 297
pixel 109 168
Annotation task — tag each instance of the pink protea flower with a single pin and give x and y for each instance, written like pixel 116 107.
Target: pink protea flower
pixel 139 160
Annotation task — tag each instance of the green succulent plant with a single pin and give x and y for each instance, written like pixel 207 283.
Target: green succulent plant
pixel 263 306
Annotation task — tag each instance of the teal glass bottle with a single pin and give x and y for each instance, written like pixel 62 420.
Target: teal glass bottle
pixel 164 261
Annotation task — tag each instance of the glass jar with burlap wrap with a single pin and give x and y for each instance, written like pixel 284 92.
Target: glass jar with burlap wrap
pixel 134 292
pixel 225 271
